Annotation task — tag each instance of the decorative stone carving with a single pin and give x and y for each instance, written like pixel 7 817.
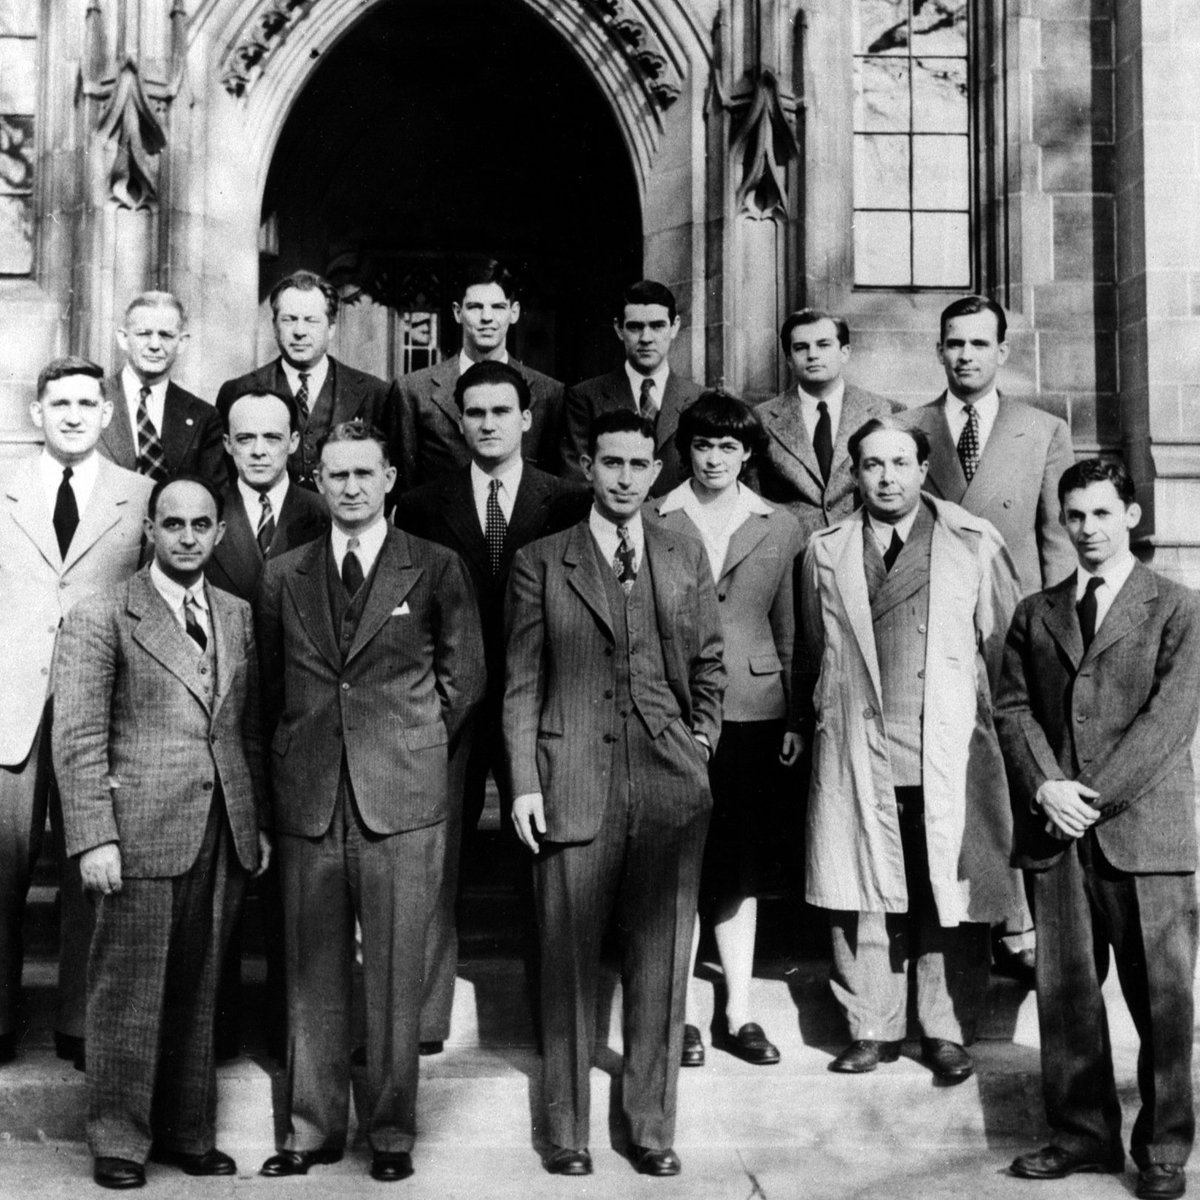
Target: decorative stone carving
pixel 641 48
pixel 129 119
pixel 261 36
pixel 764 144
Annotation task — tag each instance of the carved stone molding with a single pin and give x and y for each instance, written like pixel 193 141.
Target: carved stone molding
pixel 764 144
pixel 130 120
pixel 261 36
pixel 638 43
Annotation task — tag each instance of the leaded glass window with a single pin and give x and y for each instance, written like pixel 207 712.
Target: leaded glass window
pixel 416 341
pixel 18 92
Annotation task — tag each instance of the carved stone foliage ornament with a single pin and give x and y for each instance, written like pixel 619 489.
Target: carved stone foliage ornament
pixel 764 145
pixel 641 48
pixel 261 36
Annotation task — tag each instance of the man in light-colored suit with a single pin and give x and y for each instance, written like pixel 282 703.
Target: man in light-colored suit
pixel 806 468
pixel 1097 713
pixel 158 428
pixel 372 661
pixel 429 441
pixel 646 326
pixel 904 608
pixel 158 754
pixel 611 711
pixel 71 524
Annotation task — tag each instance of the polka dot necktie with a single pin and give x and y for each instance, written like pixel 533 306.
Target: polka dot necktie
pixel 495 527
pixel 968 444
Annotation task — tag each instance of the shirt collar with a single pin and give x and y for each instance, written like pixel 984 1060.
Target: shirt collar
pixel 252 504
pixel 132 386
pixel 1114 573
pixel 175 593
pixel 509 476
pixel 316 377
pixel 83 474
pixel 986 406
pixel 660 380
pixel 684 497
pixel 370 542
pixel 605 530
pixel 466 362
pixel 833 400
pixel 883 531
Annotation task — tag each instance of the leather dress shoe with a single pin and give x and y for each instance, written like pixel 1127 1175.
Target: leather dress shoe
pixel 1015 964
pixel 297 1162
pixel 564 1161
pixel 68 1046
pixel 865 1055
pixel 211 1162
pixel 390 1166
pixel 947 1060
pixel 1053 1162
pixel 693 1048
pixel 656 1162
pixel 8 1047
pixel 1161 1179
pixel 118 1173
pixel 431 1047
pixel 751 1045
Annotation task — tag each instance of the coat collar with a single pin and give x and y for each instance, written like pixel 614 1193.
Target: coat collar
pixel 1127 612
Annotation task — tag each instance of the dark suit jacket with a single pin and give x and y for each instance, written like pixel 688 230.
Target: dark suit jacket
pixel 606 393
pixel 411 675
pixel 558 729
pixel 789 474
pixel 1120 719
pixel 191 436
pixel 1015 486
pixel 237 563
pixel 430 442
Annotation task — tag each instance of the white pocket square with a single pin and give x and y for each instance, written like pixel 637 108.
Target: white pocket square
pixel 402 611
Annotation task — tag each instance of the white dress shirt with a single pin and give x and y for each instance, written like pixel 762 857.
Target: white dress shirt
pixel 316 378
pixel 1112 575
pixel 253 505
pixel 716 522
pixel 607 538
pixel 883 531
pixel 175 594
pixel 808 410
pixel 956 416
pixel 659 379
pixel 156 402
pixel 370 542
pixel 506 494
pixel 82 481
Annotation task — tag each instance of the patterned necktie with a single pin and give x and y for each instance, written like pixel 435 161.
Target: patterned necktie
pixel 66 513
pixel 151 461
pixel 495 527
pixel 646 401
pixel 193 622
pixel 823 440
pixel 266 523
pixel 893 551
pixel 623 561
pixel 1087 611
pixel 352 572
pixel 302 396
pixel 968 444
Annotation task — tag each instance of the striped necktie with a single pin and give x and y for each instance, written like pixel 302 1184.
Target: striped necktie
pixel 151 461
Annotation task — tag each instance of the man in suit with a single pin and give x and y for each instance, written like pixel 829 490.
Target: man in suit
pixel 806 468
pixel 611 713
pixel 372 661
pixel 646 327
pixel 484 513
pixel 430 440
pixel 71 524
pixel 265 516
pixel 157 428
pixel 158 752
pixel 304 309
pixel 1097 712
pixel 904 609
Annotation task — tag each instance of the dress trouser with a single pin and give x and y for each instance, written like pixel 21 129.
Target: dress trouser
pixel 872 952
pixel 1085 905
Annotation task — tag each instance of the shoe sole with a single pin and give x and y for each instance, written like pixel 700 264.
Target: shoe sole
pixel 1097 1168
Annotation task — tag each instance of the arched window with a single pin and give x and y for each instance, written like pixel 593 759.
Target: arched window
pixel 18 88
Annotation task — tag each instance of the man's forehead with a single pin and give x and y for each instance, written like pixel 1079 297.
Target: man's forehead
pixel 888 443
pixel 71 387
pixel 646 313
pixel 485 293
pixel 341 456
pixel 185 500
pixel 258 412
pixel 1100 493
pixel 153 316
pixel 624 445
pixel 483 394
pixel 815 331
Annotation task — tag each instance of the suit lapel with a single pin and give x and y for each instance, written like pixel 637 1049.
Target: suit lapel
pixel 911 570
pixel 179 427
pixel 348 395
pixel 945 469
pixel 583 575
pixel 745 538
pixel 1061 621
pixel 395 577
pixel 291 524
pixel 668 413
pixel 851 579
pixel 1002 452
pixel 159 634
pixel 444 377
pixel 29 511
pixel 785 423
pixel 310 594
pixel 103 510
pixel 529 505
pixel 459 513
pixel 225 648
pixel 237 553
pixel 117 438
pixel 1127 612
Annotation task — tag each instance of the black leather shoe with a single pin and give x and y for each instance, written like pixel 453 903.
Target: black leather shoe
pixel 564 1161
pixel 865 1055
pixel 8 1047
pixel 1161 1179
pixel 1015 964
pixel 118 1173
pixel 1053 1162
pixel 434 1046
pixel 297 1162
pixel 656 1162
pixel 391 1166
pixel 750 1044
pixel 947 1060
pixel 69 1047
pixel 211 1162
pixel 693 1048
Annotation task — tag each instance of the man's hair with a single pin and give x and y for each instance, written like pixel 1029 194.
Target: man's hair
pixel 647 291
pixel 155 300
pixel 618 420
pixel 810 316
pixel 183 477
pixel 62 368
pixel 968 306
pixel 307 281
pixel 478 271
pixel 355 431
pixel 875 424
pixel 719 414
pixel 492 372
pixel 1097 470
pixel 288 401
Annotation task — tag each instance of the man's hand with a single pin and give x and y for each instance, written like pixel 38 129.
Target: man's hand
pixel 264 852
pixel 100 869
pixel 793 745
pixel 529 814
pixel 1065 802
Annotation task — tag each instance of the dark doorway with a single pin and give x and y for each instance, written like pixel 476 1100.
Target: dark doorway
pixel 438 129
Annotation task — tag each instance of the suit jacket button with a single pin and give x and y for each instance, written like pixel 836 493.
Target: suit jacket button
pixel 921 673
pixel 610 737
pixel 920 628
pixel 869 713
pixel 207 785
pixel 720 595
pixel 1080 718
pixel 608 695
pixel 345 687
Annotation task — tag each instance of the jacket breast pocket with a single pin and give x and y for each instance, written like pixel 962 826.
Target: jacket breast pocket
pixel 765 664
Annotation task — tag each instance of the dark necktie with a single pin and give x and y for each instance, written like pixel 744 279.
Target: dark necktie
pixel 968 444
pixel 66 513
pixel 823 440
pixel 646 401
pixel 623 561
pixel 495 527
pixel 352 572
pixel 302 396
pixel 893 551
pixel 151 461
pixel 266 523
pixel 1086 608
pixel 191 621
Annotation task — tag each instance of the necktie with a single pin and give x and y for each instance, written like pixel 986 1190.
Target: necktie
pixel 823 440
pixel 151 461
pixel 193 622
pixel 646 400
pixel 352 572
pixel 893 551
pixel 1086 608
pixel 266 523
pixel 495 527
pixel 302 395
pixel 968 444
pixel 623 561
pixel 66 513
